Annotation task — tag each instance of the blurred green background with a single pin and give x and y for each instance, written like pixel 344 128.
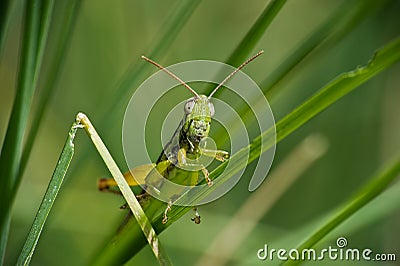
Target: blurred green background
pixel 362 129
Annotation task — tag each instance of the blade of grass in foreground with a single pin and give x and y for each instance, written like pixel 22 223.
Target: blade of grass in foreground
pixel 55 184
pixel 372 189
pixel 126 191
pixel 121 250
pixel 49 198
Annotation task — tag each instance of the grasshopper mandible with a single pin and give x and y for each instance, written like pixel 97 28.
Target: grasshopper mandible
pixel 183 149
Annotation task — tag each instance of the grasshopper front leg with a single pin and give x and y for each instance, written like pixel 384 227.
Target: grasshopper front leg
pixel 182 161
pixel 219 155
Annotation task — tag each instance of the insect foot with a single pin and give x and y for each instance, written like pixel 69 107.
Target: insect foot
pixel 196 218
pixel 222 156
pixel 165 217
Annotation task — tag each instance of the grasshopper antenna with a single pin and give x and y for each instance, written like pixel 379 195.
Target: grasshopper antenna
pixel 234 72
pixel 171 74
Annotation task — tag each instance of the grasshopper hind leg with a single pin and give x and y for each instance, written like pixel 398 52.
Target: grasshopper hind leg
pixel 195 219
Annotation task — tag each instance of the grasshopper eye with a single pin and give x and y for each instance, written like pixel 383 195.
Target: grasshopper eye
pixel 211 106
pixel 189 106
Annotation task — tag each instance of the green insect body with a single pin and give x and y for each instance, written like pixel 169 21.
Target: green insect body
pixel 184 146
pixel 178 162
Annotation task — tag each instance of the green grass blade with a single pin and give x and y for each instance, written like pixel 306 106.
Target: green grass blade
pixel 372 189
pixel 378 210
pixel 328 95
pixel 56 65
pixel 12 147
pixel 55 184
pixel 49 198
pixel 48 7
pixel 252 37
pixel 332 30
pixel 339 87
pixel 279 181
pixel 126 191
pixel 347 16
pixel 256 32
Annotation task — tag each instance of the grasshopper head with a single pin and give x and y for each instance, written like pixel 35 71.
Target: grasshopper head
pixel 198 111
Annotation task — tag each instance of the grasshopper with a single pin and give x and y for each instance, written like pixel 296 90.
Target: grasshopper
pixel 183 150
